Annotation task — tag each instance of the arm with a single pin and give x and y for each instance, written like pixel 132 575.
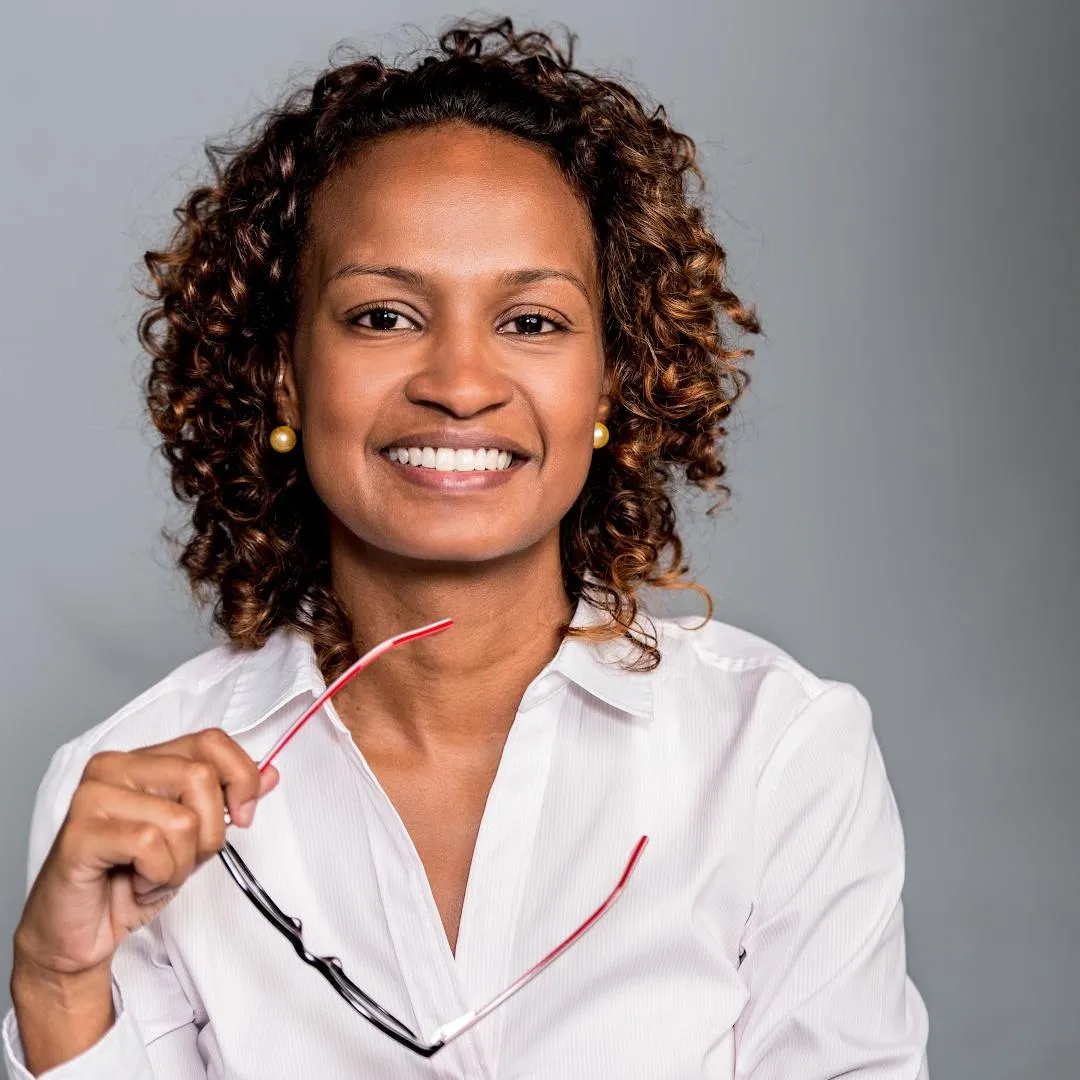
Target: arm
pixel 824 950
pixel 136 1024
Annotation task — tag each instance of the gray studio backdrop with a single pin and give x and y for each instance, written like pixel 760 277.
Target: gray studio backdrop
pixel 896 183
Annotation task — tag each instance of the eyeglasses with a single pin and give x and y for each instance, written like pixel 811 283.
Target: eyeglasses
pixel 330 966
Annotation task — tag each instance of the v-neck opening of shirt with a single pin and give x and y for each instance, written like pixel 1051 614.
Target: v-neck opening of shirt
pixel 504 844
pixel 497 867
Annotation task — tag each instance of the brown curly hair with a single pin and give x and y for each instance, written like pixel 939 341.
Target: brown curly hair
pixel 225 288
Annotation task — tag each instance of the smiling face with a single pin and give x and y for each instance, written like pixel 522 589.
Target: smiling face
pixel 448 299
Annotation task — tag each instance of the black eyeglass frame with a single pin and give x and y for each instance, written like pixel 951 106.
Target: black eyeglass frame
pixel 327 966
pixel 331 969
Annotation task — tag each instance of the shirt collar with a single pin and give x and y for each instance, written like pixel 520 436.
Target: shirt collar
pixel 271 676
pixel 285 667
pixel 594 665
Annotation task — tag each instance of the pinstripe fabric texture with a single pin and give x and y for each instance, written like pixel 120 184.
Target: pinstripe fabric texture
pixel 761 936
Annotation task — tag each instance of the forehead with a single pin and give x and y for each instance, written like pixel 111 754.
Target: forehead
pixel 451 199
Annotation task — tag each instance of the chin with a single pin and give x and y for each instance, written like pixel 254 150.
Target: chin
pixel 446 549
pixel 456 546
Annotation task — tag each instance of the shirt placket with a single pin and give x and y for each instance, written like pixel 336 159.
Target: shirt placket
pixel 423 954
pixel 503 853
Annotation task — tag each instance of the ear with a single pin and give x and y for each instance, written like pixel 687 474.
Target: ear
pixel 286 390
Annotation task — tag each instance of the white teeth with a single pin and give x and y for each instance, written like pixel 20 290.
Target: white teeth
pixel 445 459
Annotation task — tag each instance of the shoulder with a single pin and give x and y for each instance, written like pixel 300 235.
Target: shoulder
pixel 748 689
pixel 193 695
pixel 720 647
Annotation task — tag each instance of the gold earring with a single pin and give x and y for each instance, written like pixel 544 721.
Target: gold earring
pixel 600 435
pixel 283 438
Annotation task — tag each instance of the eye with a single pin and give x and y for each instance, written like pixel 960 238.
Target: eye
pixel 529 324
pixel 382 319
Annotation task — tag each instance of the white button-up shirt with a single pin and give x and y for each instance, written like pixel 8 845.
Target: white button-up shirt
pixel 760 936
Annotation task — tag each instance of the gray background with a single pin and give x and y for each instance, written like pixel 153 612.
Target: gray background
pixel 896 183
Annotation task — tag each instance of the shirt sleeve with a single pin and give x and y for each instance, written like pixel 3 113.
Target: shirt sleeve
pixel 119 1053
pixel 823 951
pixel 154 1036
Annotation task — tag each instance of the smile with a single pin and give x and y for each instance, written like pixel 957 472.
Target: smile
pixel 444 459
pixel 453 471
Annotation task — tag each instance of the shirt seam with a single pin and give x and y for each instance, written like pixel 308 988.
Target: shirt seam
pixel 809 682
pixel 166 685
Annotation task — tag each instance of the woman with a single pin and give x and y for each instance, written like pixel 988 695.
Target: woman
pixel 436 343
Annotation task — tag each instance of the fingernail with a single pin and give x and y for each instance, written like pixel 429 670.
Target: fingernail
pixel 245 813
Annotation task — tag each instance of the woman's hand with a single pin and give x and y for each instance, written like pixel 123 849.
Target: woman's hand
pixel 139 824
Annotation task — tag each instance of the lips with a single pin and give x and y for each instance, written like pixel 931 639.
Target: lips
pixel 452 481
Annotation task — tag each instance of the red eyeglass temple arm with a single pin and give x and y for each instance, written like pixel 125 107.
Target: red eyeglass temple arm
pixel 454 1028
pixel 372 654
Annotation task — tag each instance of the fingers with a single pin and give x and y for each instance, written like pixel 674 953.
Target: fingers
pixel 139 823
pixel 114 826
pixel 199 772
pixel 193 784
pixel 237 773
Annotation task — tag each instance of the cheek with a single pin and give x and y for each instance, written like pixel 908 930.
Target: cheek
pixel 566 401
pixel 567 428
pixel 338 413
pixel 341 401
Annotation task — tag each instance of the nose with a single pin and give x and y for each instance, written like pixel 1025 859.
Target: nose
pixel 462 374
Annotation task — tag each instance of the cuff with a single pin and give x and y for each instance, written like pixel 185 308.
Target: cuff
pixel 119 1054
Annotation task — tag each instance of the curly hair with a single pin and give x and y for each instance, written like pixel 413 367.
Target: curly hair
pixel 225 287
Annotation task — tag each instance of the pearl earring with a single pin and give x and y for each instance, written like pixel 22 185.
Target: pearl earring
pixel 600 434
pixel 283 438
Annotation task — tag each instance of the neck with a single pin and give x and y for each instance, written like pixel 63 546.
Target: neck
pixel 462 686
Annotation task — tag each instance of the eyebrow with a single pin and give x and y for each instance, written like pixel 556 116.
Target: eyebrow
pixel 509 278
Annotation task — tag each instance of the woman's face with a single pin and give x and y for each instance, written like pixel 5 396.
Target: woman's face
pixel 449 302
